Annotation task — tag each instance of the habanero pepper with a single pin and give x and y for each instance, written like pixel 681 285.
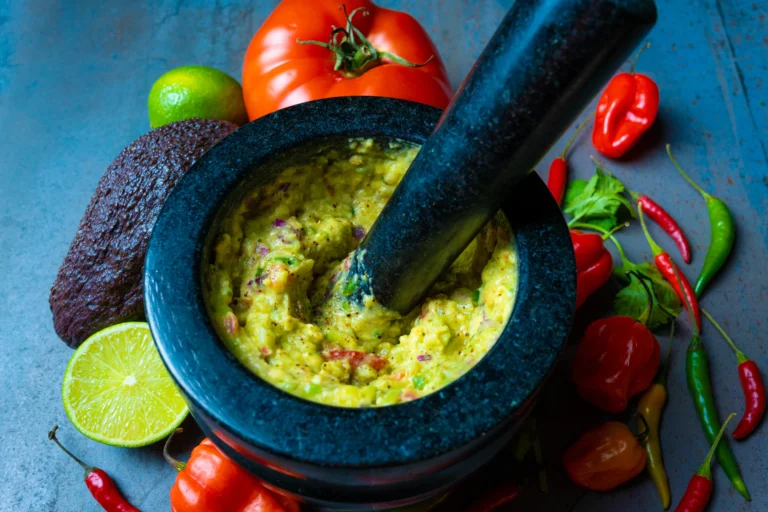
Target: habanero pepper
pixel 616 359
pixel 650 407
pixel 697 376
pixel 212 482
pixel 699 488
pixel 751 384
pixel 626 110
pixel 670 271
pixel 558 170
pixel 99 483
pixel 722 235
pixel 605 457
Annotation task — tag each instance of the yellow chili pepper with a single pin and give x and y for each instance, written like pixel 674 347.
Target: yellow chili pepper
pixel 650 407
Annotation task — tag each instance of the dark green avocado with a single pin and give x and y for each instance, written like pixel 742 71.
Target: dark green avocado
pixel 100 281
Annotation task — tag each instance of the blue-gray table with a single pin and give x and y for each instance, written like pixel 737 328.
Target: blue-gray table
pixel 74 78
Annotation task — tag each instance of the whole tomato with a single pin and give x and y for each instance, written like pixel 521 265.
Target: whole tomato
pixel 313 49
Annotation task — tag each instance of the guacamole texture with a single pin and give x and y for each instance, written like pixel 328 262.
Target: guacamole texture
pixel 273 287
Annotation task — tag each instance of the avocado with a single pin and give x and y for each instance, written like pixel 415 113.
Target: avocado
pixel 100 281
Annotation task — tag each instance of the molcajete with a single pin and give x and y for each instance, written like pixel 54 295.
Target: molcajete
pixel 350 458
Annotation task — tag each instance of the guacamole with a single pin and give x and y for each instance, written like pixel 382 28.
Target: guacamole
pixel 274 287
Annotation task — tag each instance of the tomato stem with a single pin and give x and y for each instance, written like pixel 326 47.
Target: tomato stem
pixel 353 53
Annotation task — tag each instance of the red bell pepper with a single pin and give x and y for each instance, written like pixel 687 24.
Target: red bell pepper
pixel 626 110
pixel 594 264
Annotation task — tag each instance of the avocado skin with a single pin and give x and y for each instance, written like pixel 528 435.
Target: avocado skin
pixel 100 281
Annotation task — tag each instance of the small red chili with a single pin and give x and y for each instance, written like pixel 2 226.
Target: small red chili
pixel 699 488
pixel 558 171
pixel 672 273
pixel 751 384
pixel 498 496
pixel 626 110
pixel 666 222
pixel 101 485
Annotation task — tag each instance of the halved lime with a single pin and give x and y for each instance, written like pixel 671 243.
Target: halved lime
pixel 117 391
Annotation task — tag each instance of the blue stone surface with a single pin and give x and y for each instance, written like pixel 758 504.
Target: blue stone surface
pixel 74 77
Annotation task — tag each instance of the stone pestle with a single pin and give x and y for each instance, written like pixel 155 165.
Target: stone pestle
pixel 547 60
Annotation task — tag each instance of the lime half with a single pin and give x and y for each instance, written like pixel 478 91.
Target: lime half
pixel 117 391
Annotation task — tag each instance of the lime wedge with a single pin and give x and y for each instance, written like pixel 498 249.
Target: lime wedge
pixel 117 391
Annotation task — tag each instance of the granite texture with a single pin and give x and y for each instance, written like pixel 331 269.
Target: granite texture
pixel 349 457
pixel 545 62
pixel 74 79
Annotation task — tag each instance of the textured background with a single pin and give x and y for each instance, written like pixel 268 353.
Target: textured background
pixel 74 77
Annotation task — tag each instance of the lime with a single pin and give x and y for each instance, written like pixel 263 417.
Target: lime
pixel 117 391
pixel 196 91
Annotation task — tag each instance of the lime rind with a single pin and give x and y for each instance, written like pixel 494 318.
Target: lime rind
pixel 116 390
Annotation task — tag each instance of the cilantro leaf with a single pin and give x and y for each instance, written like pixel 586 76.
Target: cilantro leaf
pixel 632 300
pixel 601 200
pixel 573 190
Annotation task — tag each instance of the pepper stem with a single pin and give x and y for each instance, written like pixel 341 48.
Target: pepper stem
pixel 654 246
pixel 176 464
pixel 740 356
pixel 706 468
pixel 646 315
pixel 609 235
pixel 354 53
pixel 576 134
pixel 686 302
pixel 639 53
pixel 606 234
pixel 684 175
pixel 52 436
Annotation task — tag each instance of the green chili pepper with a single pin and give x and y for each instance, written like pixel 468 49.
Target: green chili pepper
pixel 723 232
pixel 700 388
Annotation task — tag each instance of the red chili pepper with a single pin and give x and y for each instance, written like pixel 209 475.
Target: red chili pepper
pixel 558 171
pixel 667 267
pixel 594 264
pixel 699 488
pixel 666 222
pixel 751 384
pixel 626 110
pixel 101 485
pixel 495 498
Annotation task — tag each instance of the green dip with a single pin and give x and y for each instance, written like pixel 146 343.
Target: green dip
pixel 273 293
